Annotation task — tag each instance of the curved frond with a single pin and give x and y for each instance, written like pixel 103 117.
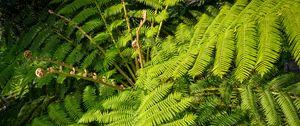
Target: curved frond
pixel 288 108
pixel 225 48
pixel 246 49
pixel 269 47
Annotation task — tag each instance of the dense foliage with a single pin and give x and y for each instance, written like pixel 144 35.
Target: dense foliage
pixel 150 62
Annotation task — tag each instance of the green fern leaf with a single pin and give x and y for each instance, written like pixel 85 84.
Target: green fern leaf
pixel 42 121
pixel 187 120
pixel 72 105
pixel 89 59
pixel 290 15
pixel 74 6
pixel 75 56
pixel 113 10
pixel 246 49
pixel 62 51
pixel 207 45
pixel 269 45
pixel 89 97
pixel 269 107
pixel 84 15
pixel 58 115
pixel 226 40
pixel 152 3
pixel 288 109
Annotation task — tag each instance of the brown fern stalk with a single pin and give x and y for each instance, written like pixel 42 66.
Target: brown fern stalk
pixel 139 44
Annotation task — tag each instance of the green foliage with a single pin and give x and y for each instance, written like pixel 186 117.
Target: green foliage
pixel 154 62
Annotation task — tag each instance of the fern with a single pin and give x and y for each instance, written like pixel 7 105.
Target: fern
pixel 207 45
pixel 75 56
pixel 58 115
pixel 74 6
pixel 88 60
pixel 246 46
pixel 84 15
pixel 62 51
pixel 269 107
pixel 89 97
pixel 72 105
pixel 270 44
pixel 288 109
pixel 226 40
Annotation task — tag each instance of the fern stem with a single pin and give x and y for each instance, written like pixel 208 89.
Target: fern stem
pixel 124 74
pixel 131 73
pixel 89 79
pixel 159 28
pixel 126 18
pixel 106 25
pixel 139 44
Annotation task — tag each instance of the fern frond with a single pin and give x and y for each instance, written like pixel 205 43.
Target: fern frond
pixel 283 81
pixel 88 60
pixel 246 49
pixel 72 105
pixel 42 121
pixel 58 115
pixel 207 45
pixel 90 116
pixel 75 56
pixel 200 29
pixel 51 44
pixel 162 16
pixel 269 47
pixel 227 119
pixel 268 104
pixel 185 63
pixel 115 24
pixel 290 15
pixel 171 2
pixel 74 6
pixel 40 38
pixel 62 51
pixel 169 101
pixel 101 37
pixel 187 120
pixel 84 15
pixel 249 103
pixel 155 96
pixel 88 27
pixel 123 101
pixel 288 108
pixel 167 114
pixel 152 3
pixel 113 10
pixel 225 48
pixel 89 97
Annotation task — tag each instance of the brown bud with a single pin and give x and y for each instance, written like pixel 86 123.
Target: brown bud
pixel 95 76
pixel 122 86
pixel 113 82
pixel 27 54
pixel 85 73
pixel 39 72
pixel 50 69
pixel 60 68
pixel 50 11
pixel 104 79
pixel 73 71
pixel 134 44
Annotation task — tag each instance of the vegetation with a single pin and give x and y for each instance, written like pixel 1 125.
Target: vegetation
pixel 150 62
